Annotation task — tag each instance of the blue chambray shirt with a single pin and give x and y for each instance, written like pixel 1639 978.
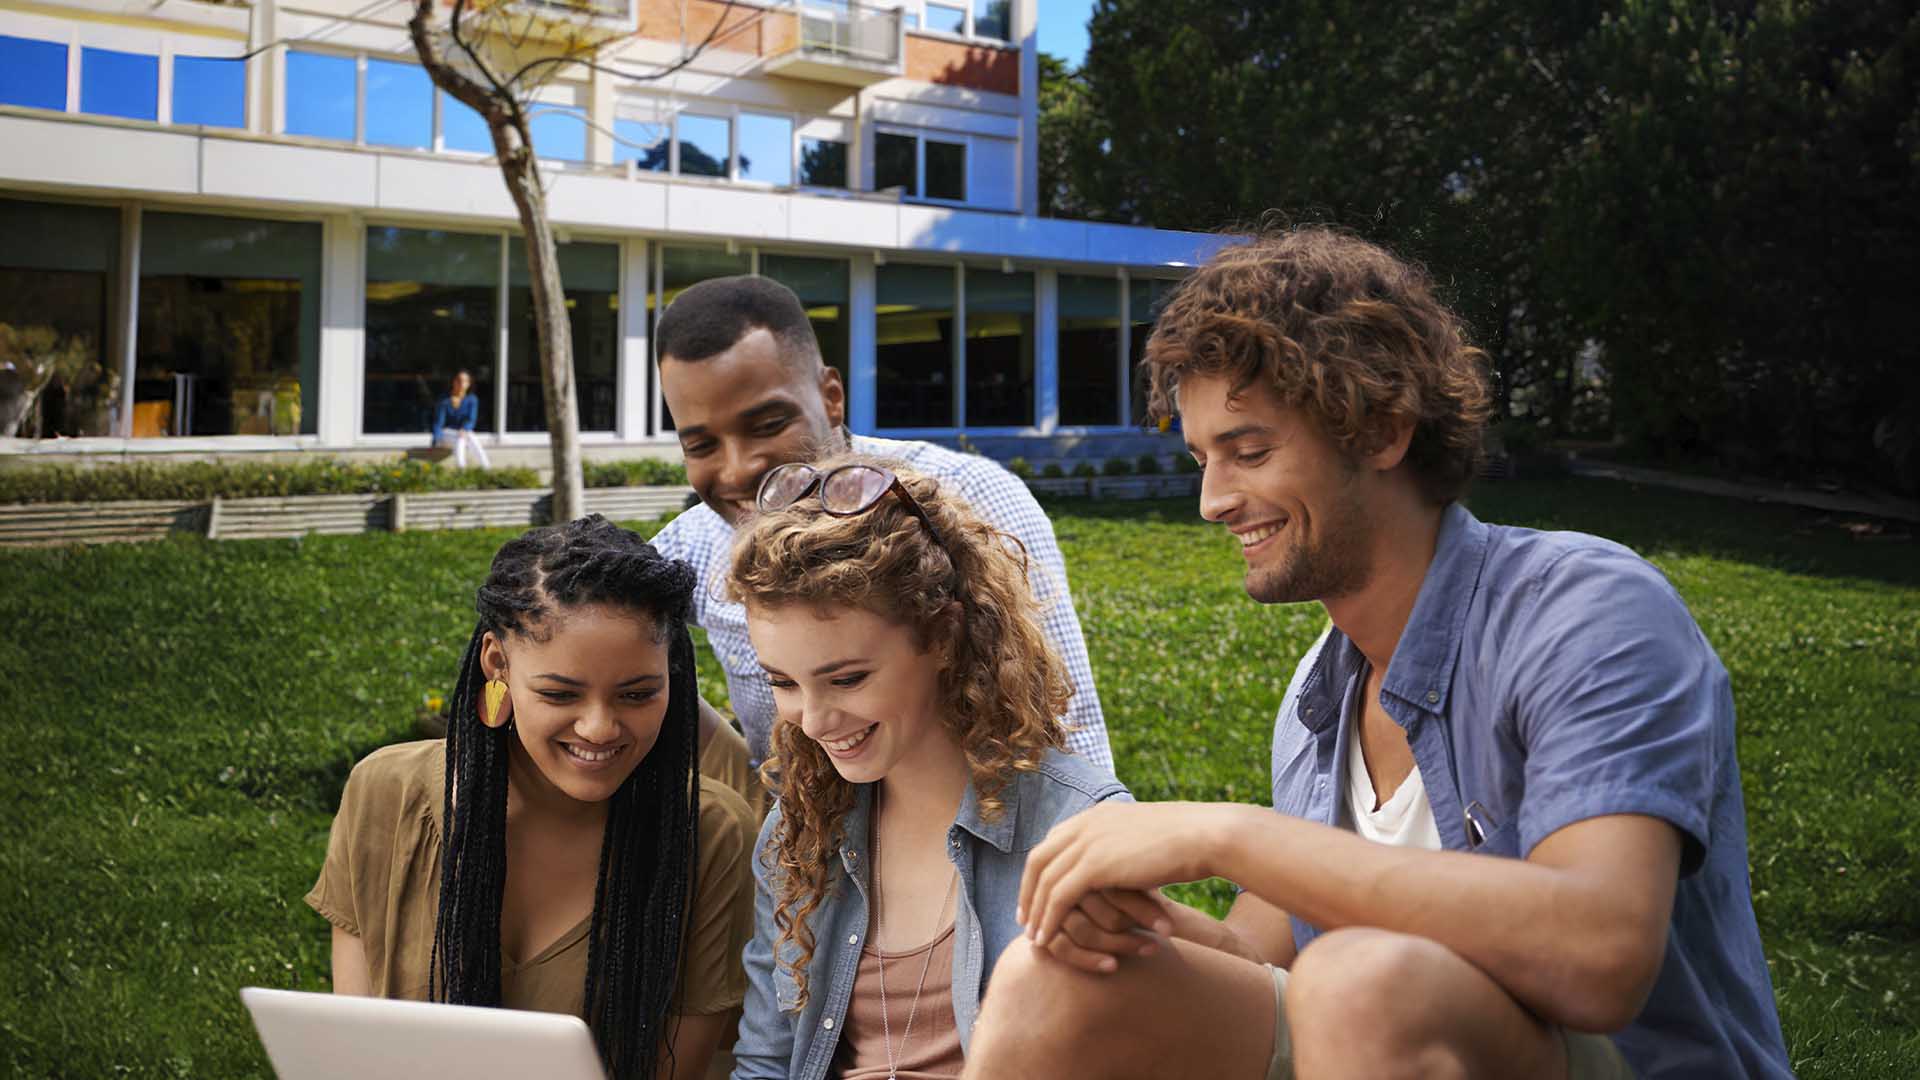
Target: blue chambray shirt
pixel 1543 679
pixel 990 857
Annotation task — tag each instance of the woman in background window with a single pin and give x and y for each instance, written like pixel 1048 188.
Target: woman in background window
pixel 453 421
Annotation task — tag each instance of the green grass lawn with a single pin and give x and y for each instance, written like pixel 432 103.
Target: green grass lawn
pixel 178 719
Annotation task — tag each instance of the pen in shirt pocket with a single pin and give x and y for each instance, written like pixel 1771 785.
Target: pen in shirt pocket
pixel 1480 823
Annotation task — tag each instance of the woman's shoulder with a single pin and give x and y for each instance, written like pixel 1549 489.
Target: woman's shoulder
pixel 1061 785
pixel 1066 769
pixel 398 778
pixel 727 823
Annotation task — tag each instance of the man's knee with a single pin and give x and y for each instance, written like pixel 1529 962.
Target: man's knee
pixel 1032 995
pixel 1029 983
pixel 1362 979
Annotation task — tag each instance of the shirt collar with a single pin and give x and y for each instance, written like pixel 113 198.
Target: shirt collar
pixel 1421 672
pixel 999 832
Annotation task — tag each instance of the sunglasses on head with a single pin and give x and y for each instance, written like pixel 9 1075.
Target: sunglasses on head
pixel 844 491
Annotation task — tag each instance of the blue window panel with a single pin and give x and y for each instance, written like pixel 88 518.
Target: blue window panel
pixel 463 129
pixel 947 20
pixel 993 19
pixel 119 84
pixel 645 144
pixel 559 133
pixel 703 145
pixel 399 104
pixel 209 91
pixel 766 149
pixel 33 73
pixel 320 95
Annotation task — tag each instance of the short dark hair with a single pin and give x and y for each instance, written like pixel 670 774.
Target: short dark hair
pixel 708 318
pixel 1341 329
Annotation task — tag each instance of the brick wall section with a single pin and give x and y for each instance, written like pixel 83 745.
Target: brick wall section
pixel 660 21
pixel 976 67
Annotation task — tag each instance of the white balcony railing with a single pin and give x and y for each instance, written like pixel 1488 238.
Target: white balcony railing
pixel 850 30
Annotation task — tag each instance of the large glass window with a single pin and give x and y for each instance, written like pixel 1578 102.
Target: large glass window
pixel 682 268
pixel 822 287
pixel 644 142
pixel 946 18
pixel 823 163
pixel 33 73
pixel 914 345
pixel 209 91
pixel 430 314
pixel 946 170
pixel 766 149
pixel 229 325
pixel 894 164
pixel 992 19
pixel 320 95
pixel 399 104
pixel 57 266
pixel 461 128
pixel 1145 298
pixel 999 349
pixel 1089 350
pixel 590 275
pixel 937 170
pixel 704 145
pixel 559 132
pixel 119 84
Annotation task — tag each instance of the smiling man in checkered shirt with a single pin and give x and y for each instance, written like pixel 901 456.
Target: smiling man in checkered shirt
pixel 741 371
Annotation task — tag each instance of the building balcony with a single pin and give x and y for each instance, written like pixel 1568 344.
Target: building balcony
pixel 844 43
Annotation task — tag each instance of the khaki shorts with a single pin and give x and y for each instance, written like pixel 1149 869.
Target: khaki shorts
pixel 1589 1057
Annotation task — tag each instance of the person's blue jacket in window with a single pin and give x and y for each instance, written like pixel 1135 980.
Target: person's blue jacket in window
pixel 461 417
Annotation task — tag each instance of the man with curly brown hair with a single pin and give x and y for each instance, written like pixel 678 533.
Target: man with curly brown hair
pixel 1507 835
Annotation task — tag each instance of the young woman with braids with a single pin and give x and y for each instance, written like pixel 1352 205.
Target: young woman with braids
pixel 558 851
pixel 917 758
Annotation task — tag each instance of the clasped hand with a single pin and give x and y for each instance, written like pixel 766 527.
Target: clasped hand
pixel 1090 894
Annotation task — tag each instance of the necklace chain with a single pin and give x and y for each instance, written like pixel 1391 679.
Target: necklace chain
pixel 886 1025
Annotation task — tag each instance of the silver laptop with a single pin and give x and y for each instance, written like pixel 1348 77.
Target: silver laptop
pixel 325 1036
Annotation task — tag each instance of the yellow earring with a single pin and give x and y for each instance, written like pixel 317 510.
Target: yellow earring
pixel 495 706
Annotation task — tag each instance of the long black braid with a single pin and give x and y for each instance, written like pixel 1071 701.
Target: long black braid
pixel 651 850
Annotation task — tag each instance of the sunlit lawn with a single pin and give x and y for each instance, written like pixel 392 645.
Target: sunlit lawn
pixel 178 718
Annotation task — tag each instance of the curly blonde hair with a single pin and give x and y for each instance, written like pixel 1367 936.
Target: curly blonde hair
pixel 1002 687
pixel 1341 329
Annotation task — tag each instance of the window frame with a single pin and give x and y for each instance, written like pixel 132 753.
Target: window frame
pixel 968 33
pixel 920 137
pixel 204 38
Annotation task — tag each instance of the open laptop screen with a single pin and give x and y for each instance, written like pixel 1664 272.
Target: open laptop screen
pixel 327 1036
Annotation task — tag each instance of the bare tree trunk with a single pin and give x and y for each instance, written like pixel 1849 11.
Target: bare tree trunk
pixel 513 146
pixel 552 327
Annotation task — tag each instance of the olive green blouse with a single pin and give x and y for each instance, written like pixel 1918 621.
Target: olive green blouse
pixel 381 883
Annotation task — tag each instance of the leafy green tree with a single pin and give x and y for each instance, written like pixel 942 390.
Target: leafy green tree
pixel 1718 202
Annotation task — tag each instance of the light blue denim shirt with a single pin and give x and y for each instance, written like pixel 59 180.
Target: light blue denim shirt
pixel 1544 679
pixel 990 857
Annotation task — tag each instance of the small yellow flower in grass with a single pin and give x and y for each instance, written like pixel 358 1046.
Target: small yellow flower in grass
pixel 436 702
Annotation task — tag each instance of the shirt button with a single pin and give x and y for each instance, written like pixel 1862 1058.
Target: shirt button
pixel 853 939
pixel 827 1023
pixel 1433 697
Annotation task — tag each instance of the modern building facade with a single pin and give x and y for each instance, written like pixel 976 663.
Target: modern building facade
pixel 261 229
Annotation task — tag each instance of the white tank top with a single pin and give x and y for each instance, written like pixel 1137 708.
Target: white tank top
pixel 1406 818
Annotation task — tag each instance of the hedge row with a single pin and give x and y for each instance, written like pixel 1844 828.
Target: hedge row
pixel 1144 465
pixel 202 480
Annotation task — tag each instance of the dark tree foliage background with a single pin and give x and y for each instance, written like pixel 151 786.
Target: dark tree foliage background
pixel 1690 226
